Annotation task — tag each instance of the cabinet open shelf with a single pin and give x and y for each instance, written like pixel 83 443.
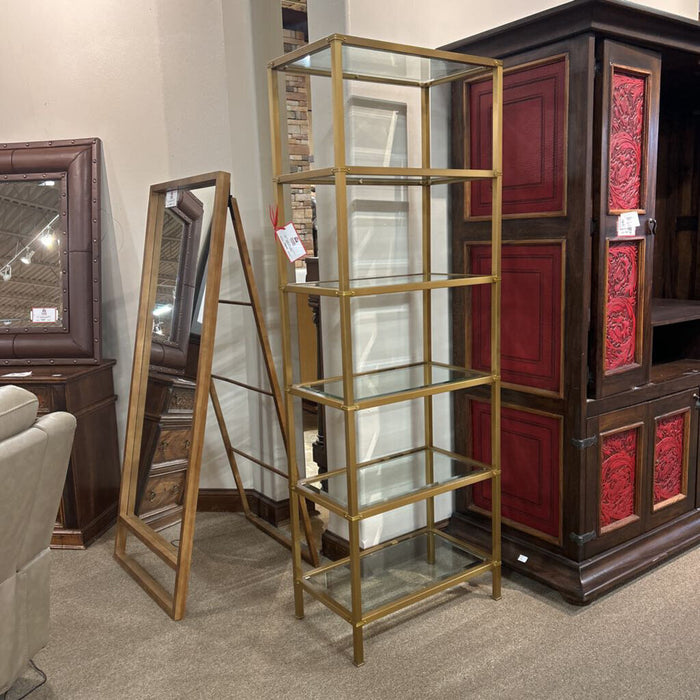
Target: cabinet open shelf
pixel 392 385
pixel 397 574
pixel 665 312
pixel 388 284
pixel 396 480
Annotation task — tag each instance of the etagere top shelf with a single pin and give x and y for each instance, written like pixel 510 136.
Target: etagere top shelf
pixel 384 62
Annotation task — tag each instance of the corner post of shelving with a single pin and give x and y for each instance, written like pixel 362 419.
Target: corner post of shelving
pixel 496 240
pixel 426 258
pixel 349 413
pixel 273 80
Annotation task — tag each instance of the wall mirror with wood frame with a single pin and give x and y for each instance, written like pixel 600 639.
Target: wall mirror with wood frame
pixel 170 380
pixel 50 252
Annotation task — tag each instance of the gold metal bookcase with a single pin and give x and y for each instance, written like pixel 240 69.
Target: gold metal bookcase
pixel 435 559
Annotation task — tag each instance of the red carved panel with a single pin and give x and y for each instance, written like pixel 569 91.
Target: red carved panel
pixel 618 476
pixel 622 305
pixel 627 135
pixel 530 466
pixel 531 308
pixel 534 135
pixel 669 456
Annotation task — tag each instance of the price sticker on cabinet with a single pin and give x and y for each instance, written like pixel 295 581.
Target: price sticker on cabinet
pixel 292 245
pixel 627 223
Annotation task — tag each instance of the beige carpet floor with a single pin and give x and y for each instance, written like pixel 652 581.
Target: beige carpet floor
pixel 240 638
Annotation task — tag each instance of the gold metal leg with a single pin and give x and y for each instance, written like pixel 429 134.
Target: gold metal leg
pixel 496 581
pixel 298 600
pixel 358 647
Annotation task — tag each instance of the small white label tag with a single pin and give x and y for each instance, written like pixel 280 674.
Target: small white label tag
pixel 522 558
pixel 44 314
pixel 171 199
pixel 289 238
pixel 627 223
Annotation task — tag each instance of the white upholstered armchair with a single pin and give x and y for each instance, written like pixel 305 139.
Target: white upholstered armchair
pixel 33 462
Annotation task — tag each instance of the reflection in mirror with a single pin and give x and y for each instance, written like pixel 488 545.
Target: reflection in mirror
pixel 175 280
pixel 166 436
pixel 31 263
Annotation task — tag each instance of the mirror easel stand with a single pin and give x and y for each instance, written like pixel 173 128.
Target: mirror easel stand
pixel 177 558
pixel 310 553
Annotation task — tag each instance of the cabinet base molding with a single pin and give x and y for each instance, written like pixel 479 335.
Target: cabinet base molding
pixel 68 538
pixel 580 583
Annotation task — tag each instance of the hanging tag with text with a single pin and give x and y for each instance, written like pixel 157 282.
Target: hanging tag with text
pixel 292 245
pixel 627 223
pixel 171 199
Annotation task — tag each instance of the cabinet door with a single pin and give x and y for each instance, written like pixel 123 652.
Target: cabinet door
pixel 643 469
pixel 616 467
pixel 627 128
pixel 673 434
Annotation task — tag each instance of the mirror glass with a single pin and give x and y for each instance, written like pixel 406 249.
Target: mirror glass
pixel 32 253
pixel 179 265
pixel 172 245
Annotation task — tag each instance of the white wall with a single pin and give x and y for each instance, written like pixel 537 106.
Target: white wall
pixel 173 88
pixel 440 22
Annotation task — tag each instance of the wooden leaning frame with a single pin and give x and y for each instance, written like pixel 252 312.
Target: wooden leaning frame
pixel 180 558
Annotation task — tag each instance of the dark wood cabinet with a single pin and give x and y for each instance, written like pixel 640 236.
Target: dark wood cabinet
pixel 89 502
pixel 600 322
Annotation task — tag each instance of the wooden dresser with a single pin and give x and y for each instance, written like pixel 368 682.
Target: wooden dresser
pixel 165 447
pixel 89 502
pixel 600 322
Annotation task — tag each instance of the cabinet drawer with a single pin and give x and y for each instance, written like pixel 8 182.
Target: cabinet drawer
pixel 181 399
pixel 173 444
pixel 163 490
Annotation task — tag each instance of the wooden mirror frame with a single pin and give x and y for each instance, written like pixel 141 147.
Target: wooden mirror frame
pixel 177 558
pixel 170 355
pixel 78 162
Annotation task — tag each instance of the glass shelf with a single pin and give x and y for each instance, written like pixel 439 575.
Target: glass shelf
pixel 395 572
pixel 395 481
pixel 377 61
pixel 388 284
pixel 366 175
pixel 393 384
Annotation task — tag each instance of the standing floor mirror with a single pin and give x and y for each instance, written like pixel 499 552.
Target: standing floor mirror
pixel 170 383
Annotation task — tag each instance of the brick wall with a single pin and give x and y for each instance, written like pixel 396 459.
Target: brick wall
pixel 299 131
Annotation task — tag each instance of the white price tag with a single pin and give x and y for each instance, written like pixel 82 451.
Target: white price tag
pixel 289 238
pixel 44 314
pixel 522 558
pixel 627 223
pixel 171 199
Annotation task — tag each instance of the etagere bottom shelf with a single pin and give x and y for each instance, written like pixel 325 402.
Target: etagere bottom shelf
pixel 399 573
